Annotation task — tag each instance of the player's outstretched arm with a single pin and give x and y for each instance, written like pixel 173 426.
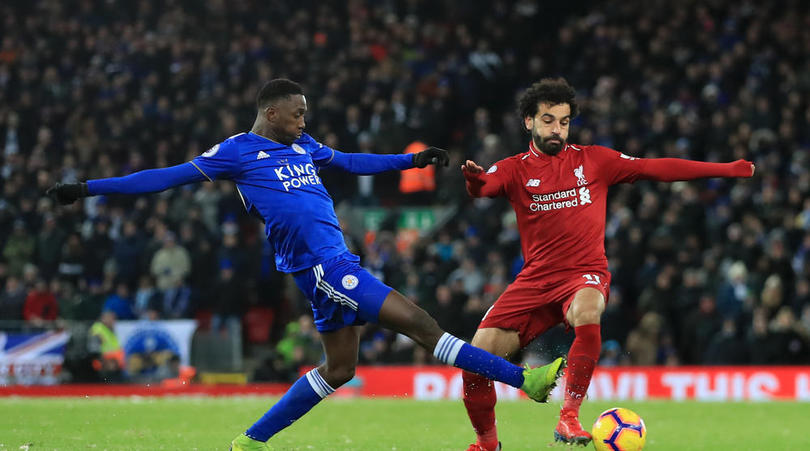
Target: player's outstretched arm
pixel 368 163
pixel 478 184
pixel 147 181
pixel 676 169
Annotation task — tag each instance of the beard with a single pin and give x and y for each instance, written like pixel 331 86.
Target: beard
pixel 547 145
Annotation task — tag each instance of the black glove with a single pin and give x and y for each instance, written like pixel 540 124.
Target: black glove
pixel 431 155
pixel 67 193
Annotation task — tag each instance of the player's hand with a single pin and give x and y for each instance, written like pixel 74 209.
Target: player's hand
pixel 471 167
pixel 431 155
pixel 67 193
pixel 743 168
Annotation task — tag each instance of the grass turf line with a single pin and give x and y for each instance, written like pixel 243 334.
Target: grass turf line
pixel 377 424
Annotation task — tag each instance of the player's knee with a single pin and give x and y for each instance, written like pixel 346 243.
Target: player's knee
pixel 592 316
pixel 338 375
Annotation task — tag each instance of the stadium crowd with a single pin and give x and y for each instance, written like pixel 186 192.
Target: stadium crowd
pixel 708 272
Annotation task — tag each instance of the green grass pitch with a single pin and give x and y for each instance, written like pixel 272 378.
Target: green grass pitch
pixel 189 423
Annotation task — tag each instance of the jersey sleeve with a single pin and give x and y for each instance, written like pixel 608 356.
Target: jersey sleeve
pixel 219 162
pixel 617 167
pixel 494 182
pixel 620 168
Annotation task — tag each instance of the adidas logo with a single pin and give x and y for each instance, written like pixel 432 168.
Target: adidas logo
pixel 262 154
pixel 533 182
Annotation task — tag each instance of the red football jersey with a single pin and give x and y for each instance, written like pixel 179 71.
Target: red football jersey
pixel 560 203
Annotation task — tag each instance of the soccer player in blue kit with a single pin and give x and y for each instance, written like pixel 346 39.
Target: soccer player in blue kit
pixel 275 167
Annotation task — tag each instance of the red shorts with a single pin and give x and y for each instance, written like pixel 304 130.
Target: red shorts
pixel 532 307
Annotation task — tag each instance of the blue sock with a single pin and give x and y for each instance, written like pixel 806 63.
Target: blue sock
pixel 456 352
pixel 299 399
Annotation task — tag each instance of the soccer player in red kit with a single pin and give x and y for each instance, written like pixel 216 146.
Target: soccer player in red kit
pixel 559 193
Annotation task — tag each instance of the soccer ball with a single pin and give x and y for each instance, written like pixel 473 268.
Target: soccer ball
pixel 619 429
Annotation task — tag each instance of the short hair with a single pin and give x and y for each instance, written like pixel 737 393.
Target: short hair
pixel 548 90
pixel 276 89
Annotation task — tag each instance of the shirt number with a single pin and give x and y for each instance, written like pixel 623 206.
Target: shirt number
pixel 592 279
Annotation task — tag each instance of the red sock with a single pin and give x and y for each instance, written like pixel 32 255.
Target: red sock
pixel 479 399
pixel 582 358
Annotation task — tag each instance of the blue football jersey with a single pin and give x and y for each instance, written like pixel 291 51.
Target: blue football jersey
pixel 280 183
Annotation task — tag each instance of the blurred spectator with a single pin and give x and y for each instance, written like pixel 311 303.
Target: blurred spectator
pixel 80 305
pixel 801 295
pixel 470 277
pixel 726 348
pixel 762 345
pixel 71 265
pixel 643 341
pixel 19 248
pixel 148 302
pixel 448 309
pixel 119 302
pixel 12 300
pixel 611 354
pixel 734 292
pixel 771 296
pixel 227 299
pixel 789 338
pixel 103 345
pixel 170 264
pixel 300 344
pixel 127 252
pixel 659 297
pixel 698 330
pixel 49 246
pixel 616 321
pixel 230 249
pixel 40 304
pixel 177 301
pixel 98 249
pixel 473 312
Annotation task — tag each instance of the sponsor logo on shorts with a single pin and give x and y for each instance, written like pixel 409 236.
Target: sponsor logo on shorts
pixel 349 282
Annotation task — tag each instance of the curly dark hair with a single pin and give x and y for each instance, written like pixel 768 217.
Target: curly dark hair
pixel 552 90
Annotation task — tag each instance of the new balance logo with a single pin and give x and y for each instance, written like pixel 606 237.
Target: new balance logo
pixel 262 154
pixel 533 182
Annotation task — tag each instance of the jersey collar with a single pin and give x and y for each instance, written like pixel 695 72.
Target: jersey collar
pixel 276 145
pixel 537 153
pixel 534 152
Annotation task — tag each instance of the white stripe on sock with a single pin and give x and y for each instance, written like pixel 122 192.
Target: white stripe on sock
pixel 319 384
pixel 454 350
pixel 447 348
